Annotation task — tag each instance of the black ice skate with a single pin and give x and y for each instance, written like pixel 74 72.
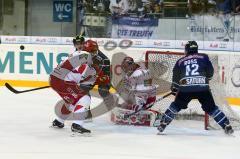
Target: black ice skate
pixel 57 124
pixel 161 127
pixel 228 129
pixel 79 129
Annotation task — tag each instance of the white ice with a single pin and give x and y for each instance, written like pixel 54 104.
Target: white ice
pixel 25 134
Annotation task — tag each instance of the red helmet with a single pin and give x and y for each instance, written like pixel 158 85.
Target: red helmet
pixel 127 64
pixel 90 46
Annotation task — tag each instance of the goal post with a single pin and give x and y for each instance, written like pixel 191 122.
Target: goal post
pixel 161 64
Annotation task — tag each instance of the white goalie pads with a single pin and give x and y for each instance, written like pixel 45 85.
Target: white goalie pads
pixel 142 118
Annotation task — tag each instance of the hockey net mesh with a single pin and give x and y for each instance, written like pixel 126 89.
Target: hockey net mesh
pixel 161 65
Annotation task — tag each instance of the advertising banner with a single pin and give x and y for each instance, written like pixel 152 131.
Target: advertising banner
pixel 134 27
pixel 213 28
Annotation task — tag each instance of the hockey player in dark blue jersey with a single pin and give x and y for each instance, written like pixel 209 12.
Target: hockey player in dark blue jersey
pixel 191 75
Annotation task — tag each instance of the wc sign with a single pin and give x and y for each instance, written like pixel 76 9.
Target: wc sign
pixel 62 11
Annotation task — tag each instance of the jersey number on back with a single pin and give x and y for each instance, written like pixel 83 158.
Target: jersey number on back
pixel 192 70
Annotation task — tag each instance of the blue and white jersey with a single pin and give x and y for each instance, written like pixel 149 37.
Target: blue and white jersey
pixel 192 73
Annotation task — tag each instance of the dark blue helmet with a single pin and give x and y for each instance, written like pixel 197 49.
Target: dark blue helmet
pixel 191 47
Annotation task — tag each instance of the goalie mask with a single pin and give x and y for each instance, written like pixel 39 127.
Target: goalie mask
pixel 128 65
pixel 91 47
pixel 191 47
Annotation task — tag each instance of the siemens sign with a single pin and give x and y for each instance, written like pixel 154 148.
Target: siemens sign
pixel 29 62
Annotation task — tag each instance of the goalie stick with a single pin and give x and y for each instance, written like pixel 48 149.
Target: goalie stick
pixel 151 105
pixel 9 87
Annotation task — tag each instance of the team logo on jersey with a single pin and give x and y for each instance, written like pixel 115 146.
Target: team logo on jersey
pixel 193 81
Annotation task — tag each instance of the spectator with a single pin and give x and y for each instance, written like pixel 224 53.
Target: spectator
pixel 157 8
pixel 225 6
pixel 201 6
pixel 80 15
pixel 89 6
pixel 237 6
pixel 107 3
pixel 149 6
pixel 119 7
pixel 132 5
pixel 139 5
pixel 101 5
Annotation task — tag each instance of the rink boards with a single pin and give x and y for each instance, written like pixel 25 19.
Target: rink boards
pixel 30 66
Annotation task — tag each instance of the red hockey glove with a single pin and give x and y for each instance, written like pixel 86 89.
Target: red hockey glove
pixel 104 79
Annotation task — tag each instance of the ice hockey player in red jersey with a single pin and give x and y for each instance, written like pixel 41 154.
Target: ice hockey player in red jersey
pixel 72 80
pixel 138 93
pixel 102 63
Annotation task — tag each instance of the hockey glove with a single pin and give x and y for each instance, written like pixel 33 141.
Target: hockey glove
pixel 174 90
pixel 102 79
pixel 86 88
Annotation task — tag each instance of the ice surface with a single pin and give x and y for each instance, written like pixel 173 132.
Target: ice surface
pixel 25 134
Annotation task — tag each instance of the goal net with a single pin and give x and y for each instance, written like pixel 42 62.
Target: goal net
pixel 161 65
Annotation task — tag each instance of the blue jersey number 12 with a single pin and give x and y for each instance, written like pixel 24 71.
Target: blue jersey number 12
pixel 192 70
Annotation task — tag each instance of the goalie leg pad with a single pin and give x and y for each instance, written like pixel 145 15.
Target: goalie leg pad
pixel 143 118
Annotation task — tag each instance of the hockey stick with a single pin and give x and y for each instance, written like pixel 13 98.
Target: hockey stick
pixel 9 87
pixel 151 105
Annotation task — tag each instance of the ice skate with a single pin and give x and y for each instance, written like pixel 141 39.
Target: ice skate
pixel 57 124
pixel 228 130
pixel 78 129
pixel 161 128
